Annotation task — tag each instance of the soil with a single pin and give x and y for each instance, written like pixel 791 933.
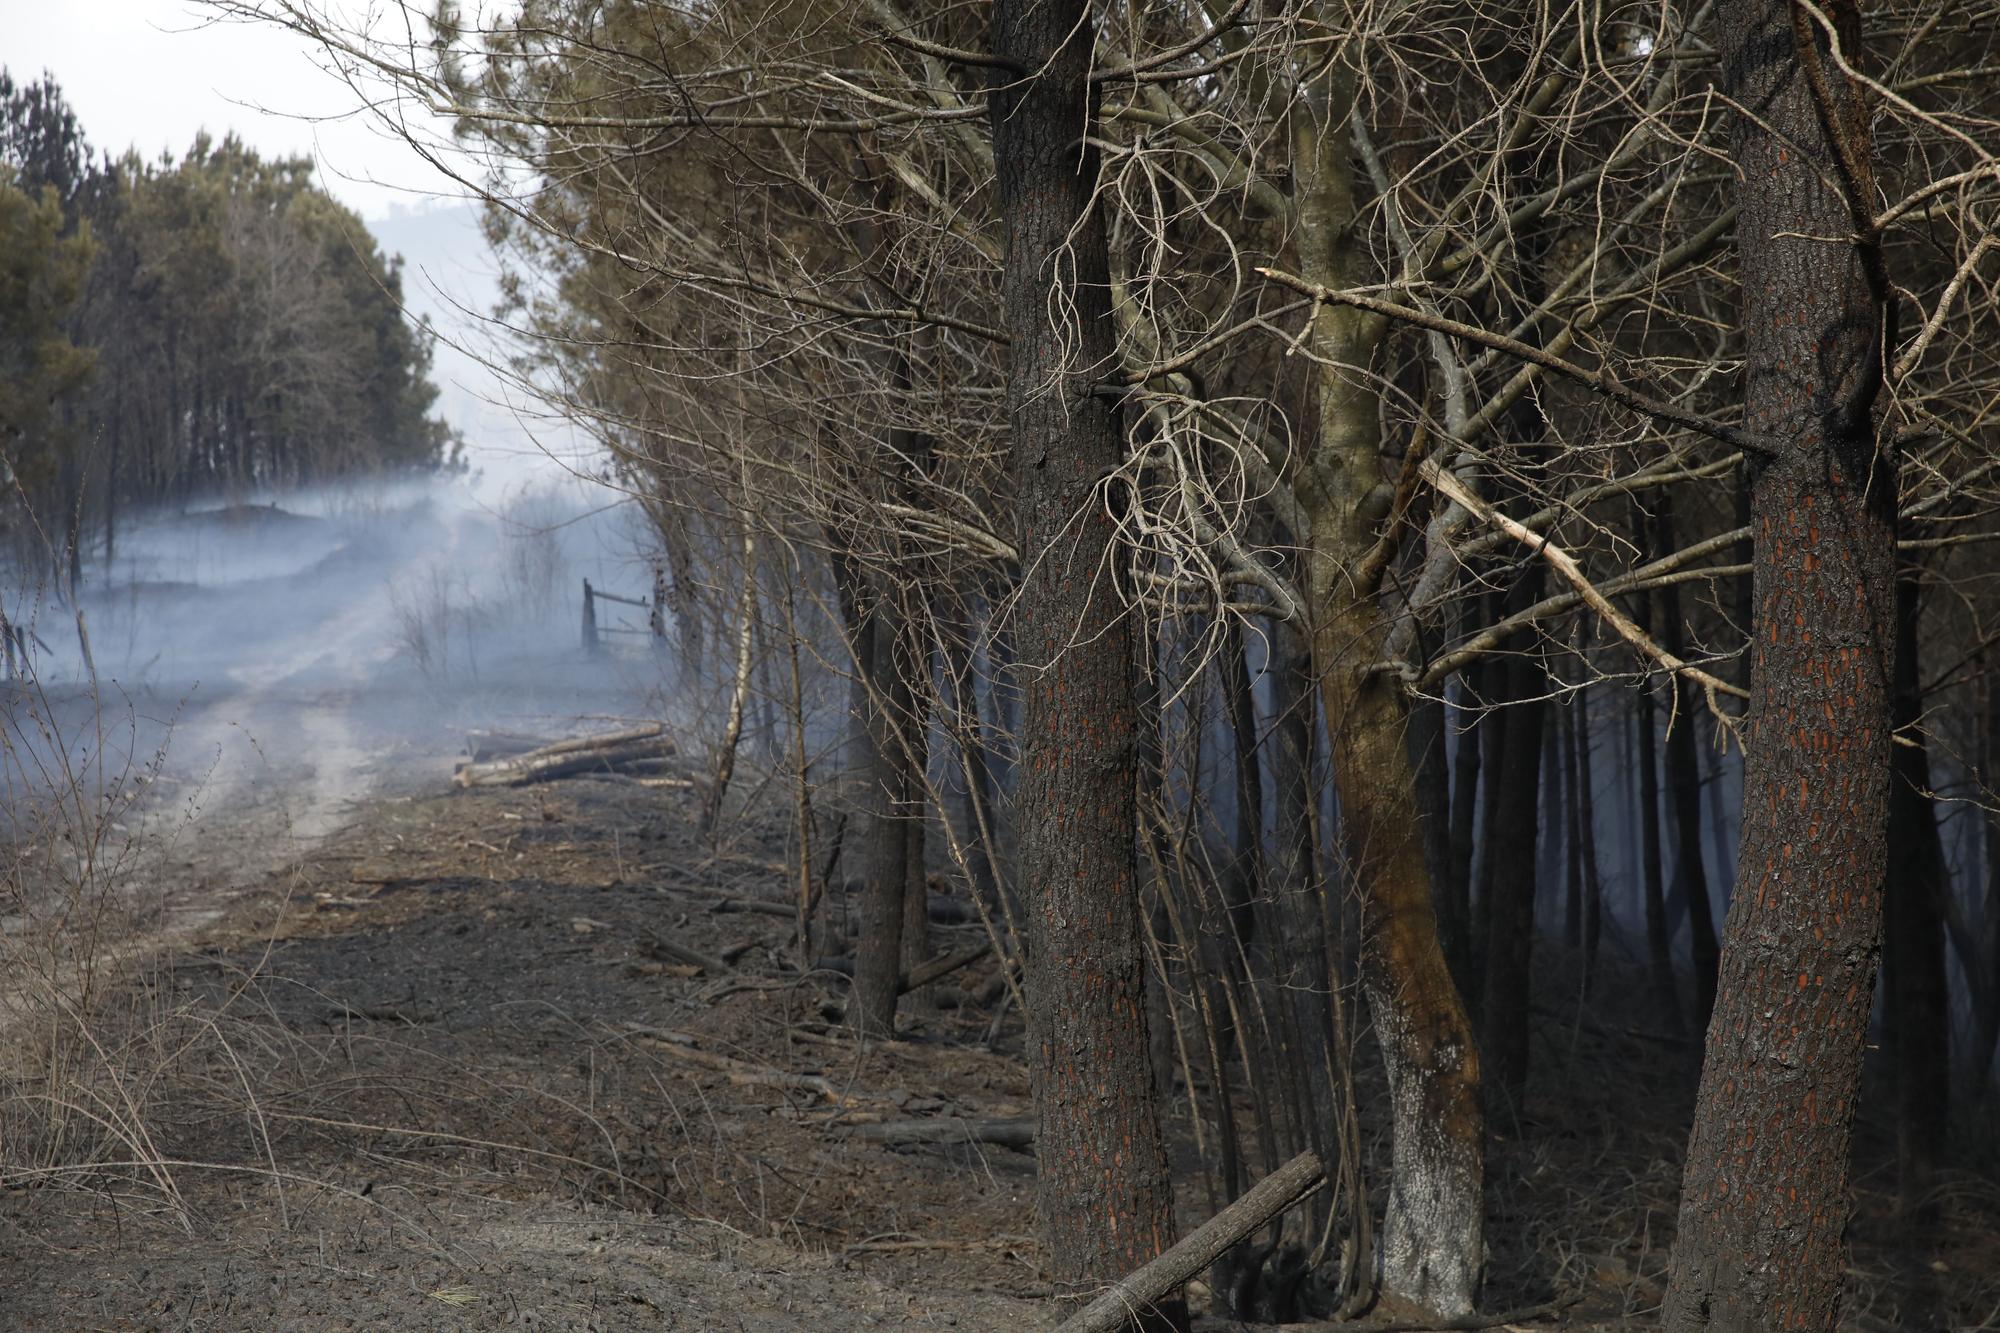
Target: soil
pixel 444 1066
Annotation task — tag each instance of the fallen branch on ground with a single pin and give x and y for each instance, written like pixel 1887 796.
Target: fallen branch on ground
pixel 1011 1133
pixel 627 780
pixel 1143 1290
pixel 746 1075
pixel 680 953
pixel 923 974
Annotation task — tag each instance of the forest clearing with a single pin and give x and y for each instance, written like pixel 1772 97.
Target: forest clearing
pixel 1123 669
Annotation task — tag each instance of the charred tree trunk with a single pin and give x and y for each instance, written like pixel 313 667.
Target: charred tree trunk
pixel 1309 1015
pixel 1455 927
pixel 914 666
pixel 1764 1200
pixel 974 790
pixel 1918 1007
pixel 1659 942
pixel 1684 786
pixel 1105 1201
pixel 1493 745
pixel 1511 850
pixel 1432 1245
pixel 1431 759
pixel 739 695
pixel 1982 962
pixel 1572 832
pixel 878 959
pixel 1586 818
pixel 1245 882
pixel 880 699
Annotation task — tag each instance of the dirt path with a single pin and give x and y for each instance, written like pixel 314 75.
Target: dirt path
pixel 460 1114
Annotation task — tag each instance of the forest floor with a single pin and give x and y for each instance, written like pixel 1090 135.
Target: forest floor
pixel 444 1067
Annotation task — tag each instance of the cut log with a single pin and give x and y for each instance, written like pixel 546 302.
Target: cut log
pixel 551 762
pixel 602 740
pixel 1013 1133
pixel 1143 1290
pixel 483 747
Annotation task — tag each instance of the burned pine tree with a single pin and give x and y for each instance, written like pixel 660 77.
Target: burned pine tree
pixel 1104 1197
pixel 1764 1200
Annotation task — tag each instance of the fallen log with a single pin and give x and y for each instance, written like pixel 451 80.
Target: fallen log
pixel 625 779
pixel 485 746
pixel 1013 1133
pixel 1114 1309
pixel 549 763
pixel 644 731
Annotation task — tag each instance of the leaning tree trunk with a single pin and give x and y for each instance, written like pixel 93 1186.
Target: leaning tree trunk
pixel 1105 1200
pixel 1764 1201
pixel 1432 1247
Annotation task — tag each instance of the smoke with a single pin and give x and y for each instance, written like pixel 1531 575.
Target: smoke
pixel 319 643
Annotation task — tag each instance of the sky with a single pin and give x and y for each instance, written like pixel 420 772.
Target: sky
pixel 153 73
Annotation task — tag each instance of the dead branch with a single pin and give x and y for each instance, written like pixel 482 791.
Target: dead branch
pixel 923 974
pixel 1565 564
pixel 680 953
pixel 1144 1289
pixel 1018 1132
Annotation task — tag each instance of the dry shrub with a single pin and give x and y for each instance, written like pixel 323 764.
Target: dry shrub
pixel 80 1042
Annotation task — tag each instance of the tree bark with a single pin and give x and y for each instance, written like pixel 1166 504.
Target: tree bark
pixel 1764 1200
pixel 1105 1201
